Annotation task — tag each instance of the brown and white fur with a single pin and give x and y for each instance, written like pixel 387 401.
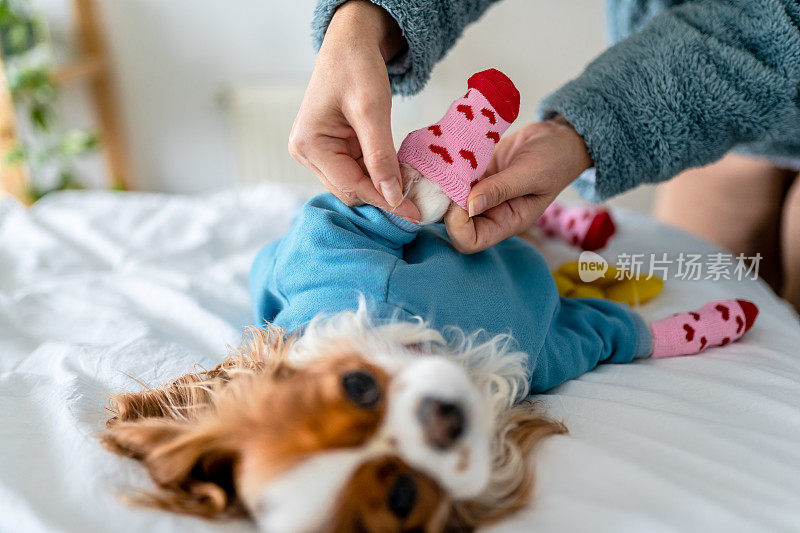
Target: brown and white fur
pixel 292 433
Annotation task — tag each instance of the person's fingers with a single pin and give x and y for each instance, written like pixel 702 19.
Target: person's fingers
pixel 326 156
pixel 511 182
pixel 366 190
pixel 371 122
pixel 349 198
pixel 344 178
pixel 461 230
pixel 329 156
pixel 406 209
pixel 474 234
pixel 492 168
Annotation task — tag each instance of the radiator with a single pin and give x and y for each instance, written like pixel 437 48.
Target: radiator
pixel 262 117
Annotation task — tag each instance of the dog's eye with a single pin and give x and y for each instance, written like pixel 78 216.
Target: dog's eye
pixel 362 388
pixel 402 496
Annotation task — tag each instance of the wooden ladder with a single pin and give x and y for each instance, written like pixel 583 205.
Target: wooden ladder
pixel 92 69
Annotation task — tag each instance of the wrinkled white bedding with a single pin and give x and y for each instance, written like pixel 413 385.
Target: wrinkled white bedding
pixel 97 289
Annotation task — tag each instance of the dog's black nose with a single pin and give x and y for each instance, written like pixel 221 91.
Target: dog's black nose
pixel 443 422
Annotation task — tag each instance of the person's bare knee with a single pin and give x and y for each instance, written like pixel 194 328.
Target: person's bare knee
pixel 734 203
pixel 790 245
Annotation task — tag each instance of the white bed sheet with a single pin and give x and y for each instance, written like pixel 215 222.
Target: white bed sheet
pixel 98 288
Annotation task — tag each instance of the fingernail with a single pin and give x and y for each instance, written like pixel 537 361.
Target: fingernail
pixel 476 206
pixel 391 193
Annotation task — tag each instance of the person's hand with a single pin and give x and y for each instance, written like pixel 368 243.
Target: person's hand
pixel 529 168
pixel 342 131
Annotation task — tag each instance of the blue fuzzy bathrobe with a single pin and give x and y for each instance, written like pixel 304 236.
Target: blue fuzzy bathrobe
pixel 687 81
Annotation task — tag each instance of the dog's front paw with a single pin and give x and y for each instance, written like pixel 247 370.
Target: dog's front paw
pixel 429 198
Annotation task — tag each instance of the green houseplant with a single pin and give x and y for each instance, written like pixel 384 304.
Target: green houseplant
pixel 49 150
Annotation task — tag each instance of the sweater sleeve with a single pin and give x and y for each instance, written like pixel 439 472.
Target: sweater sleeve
pixel 430 28
pixel 699 79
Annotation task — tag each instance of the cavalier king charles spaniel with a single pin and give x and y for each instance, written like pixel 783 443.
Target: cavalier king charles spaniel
pixel 349 426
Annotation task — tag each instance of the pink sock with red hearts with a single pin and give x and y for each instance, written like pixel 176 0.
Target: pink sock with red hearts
pixel 587 227
pixel 715 324
pixel 454 152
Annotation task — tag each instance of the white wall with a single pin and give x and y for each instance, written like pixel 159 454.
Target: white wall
pixel 173 59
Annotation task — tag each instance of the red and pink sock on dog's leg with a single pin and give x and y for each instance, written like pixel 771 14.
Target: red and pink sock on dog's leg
pixel 715 324
pixel 442 162
pixel 453 153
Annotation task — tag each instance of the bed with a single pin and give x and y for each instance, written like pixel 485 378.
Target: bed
pixel 102 291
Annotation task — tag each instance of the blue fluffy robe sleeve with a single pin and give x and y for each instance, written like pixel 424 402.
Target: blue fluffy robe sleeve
pixel 430 28
pixel 697 80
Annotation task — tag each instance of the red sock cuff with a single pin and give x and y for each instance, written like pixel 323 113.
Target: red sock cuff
pixel 499 90
pixel 750 313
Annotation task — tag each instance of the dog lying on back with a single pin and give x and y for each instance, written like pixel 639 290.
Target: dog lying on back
pixel 351 426
pixel 341 420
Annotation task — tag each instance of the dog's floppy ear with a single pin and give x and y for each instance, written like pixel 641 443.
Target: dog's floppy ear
pixel 193 466
pixel 519 430
pixel 263 350
pixel 189 451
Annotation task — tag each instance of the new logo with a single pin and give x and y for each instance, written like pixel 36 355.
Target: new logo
pixel 591 266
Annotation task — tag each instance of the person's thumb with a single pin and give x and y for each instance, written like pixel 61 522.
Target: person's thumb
pixel 493 190
pixel 374 132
